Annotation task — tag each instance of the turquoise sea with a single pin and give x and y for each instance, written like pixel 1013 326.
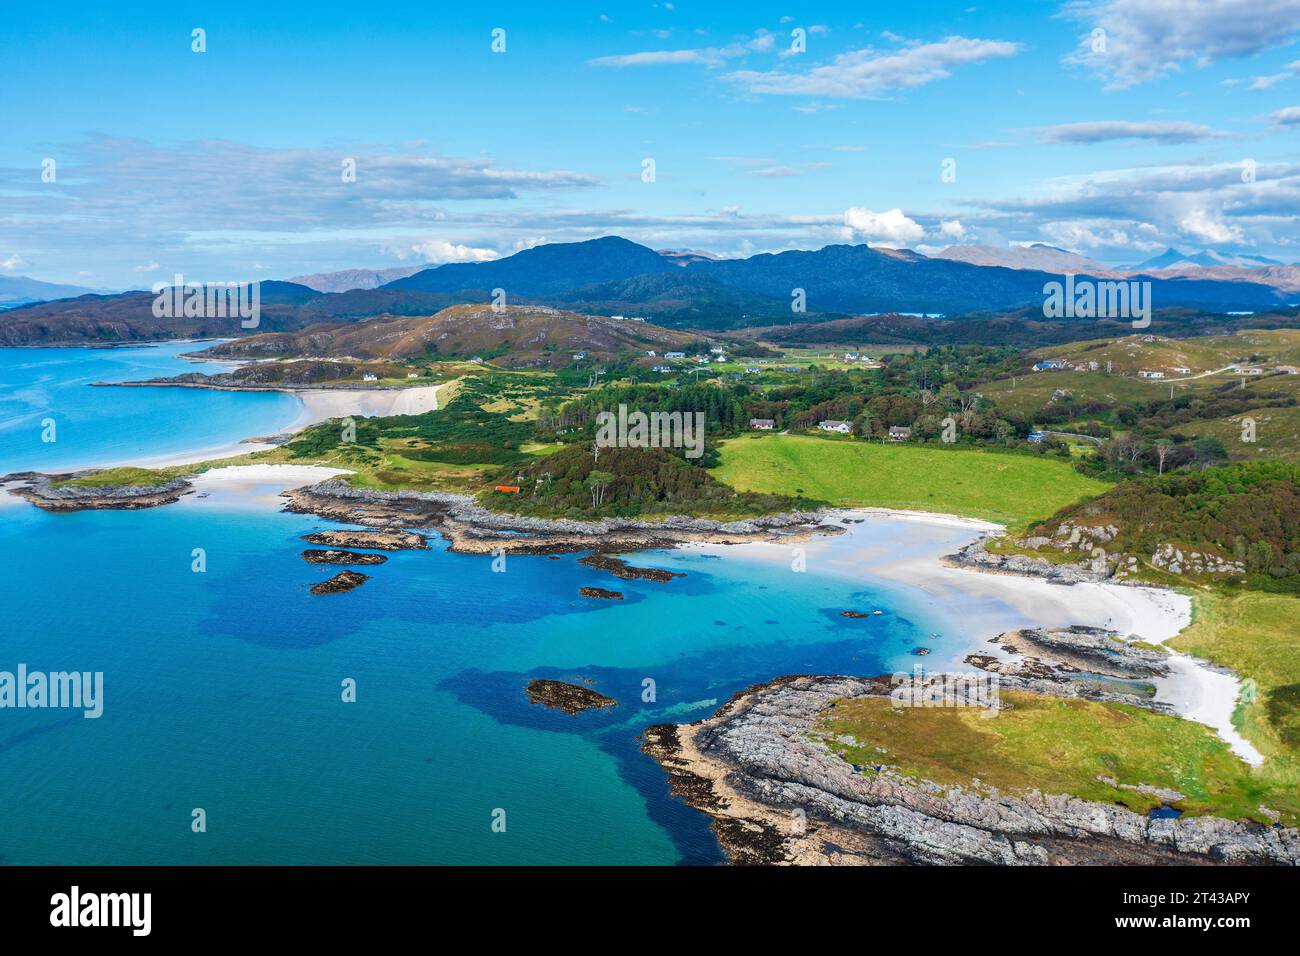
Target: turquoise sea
pixel 113 426
pixel 222 689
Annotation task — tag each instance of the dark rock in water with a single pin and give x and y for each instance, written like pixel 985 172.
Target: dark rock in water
pixel 621 569
pixel 375 540
pixel 336 556
pixel 920 651
pixel 569 698
pixel 853 614
pixel 343 581
pixel 601 593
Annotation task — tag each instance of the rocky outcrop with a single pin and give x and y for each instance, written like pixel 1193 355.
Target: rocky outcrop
pixel 1092 649
pixel 977 557
pixel 569 698
pixel 48 492
pixel 601 594
pixel 336 556
pixel 1176 561
pixel 374 540
pixel 627 572
pixel 473 529
pixel 762 768
pixel 343 581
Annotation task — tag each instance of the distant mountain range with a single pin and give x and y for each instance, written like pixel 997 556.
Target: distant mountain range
pixel 1038 256
pixel 349 279
pixel 612 275
pixel 1172 258
pixel 20 290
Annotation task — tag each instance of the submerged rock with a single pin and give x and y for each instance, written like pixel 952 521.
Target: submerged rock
pixel 621 569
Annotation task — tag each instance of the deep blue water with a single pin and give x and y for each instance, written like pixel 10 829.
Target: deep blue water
pixel 113 426
pixel 223 688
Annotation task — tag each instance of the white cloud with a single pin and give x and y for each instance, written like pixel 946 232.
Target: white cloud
pixel 1147 39
pixel 952 229
pixel 148 267
pixel 11 262
pixel 890 228
pixel 761 42
pixel 1206 226
pixel 1287 116
pixel 440 250
pixel 1271 80
pixel 1100 234
pixel 869 73
pixel 1159 131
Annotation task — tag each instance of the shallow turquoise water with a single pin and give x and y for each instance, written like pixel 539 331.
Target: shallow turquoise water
pixel 223 688
pixel 111 426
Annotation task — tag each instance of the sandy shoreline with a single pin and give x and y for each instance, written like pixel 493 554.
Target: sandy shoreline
pixel 317 405
pixel 1194 689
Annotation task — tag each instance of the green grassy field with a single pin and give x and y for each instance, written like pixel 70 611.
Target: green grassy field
pixel 138 477
pixel 1062 746
pixel 1009 489
pixel 1258 636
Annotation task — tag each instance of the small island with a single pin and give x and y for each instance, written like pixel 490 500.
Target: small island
pixel 569 698
pixel 343 581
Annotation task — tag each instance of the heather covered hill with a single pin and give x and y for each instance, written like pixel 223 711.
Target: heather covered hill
pixel 517 336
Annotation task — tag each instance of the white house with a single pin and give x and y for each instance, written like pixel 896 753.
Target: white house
pixel 412 374
pixel 369 377
pixel 762 424
pixel 674 355
pixel 830 425
pixel 1146 374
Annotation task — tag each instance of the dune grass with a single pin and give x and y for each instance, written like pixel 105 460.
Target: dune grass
pixel 1010 489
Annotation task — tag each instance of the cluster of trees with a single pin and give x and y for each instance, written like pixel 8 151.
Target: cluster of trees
pixel 461 433
pixel 583 481
pixel 1249 512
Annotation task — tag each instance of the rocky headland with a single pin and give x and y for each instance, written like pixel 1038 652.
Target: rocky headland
pixel 52 493
pixel 764 770
pixel 473 529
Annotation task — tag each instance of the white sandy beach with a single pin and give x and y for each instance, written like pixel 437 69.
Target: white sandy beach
pixel 982 605
pixel 237 484
pixel 318 405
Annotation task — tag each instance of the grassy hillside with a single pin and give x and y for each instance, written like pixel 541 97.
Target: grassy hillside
pixel 1009 489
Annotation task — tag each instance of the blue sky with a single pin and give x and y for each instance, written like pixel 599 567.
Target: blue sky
pixel 226 164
